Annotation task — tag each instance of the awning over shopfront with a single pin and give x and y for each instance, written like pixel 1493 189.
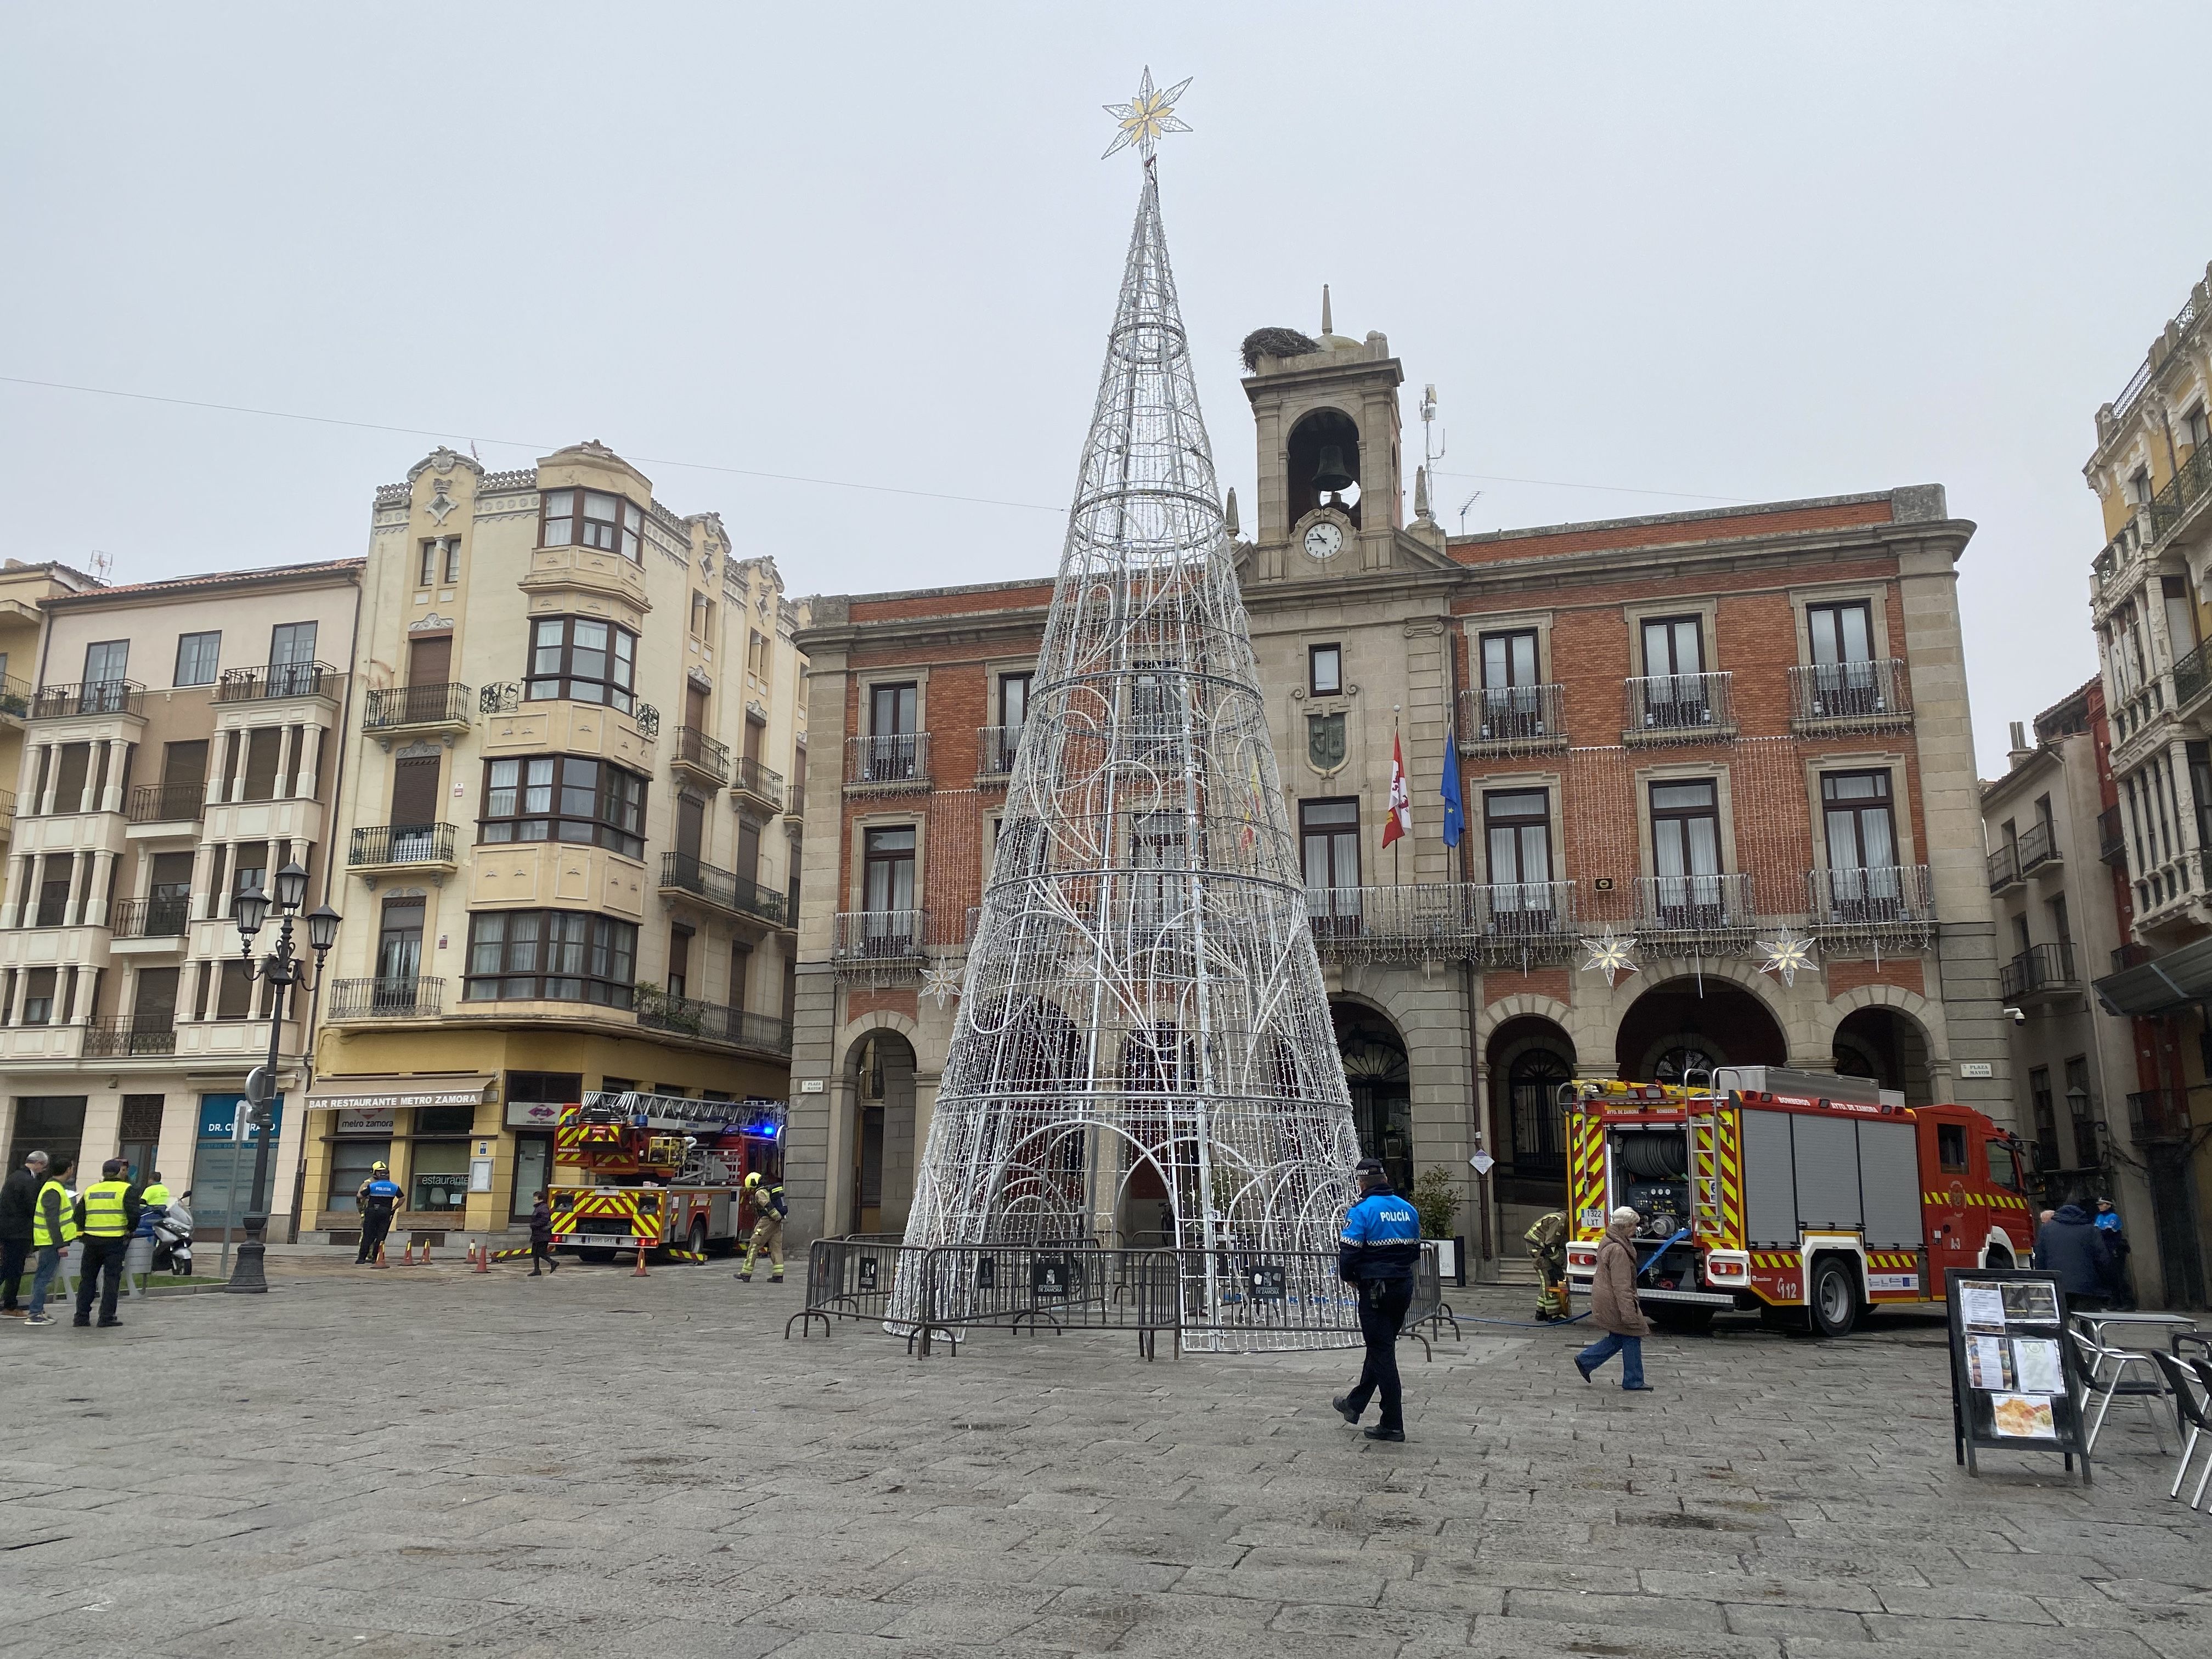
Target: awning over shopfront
pixel 2179 979
pixel 418 1089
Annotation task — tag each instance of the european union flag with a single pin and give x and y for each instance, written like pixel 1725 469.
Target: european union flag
pixel 1454 810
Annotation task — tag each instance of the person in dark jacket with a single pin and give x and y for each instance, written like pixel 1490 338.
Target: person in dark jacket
pixel 19 1200
pixel 2109 1225
pixel 2069 1245
pixel 541 1237
pixel 1379 1249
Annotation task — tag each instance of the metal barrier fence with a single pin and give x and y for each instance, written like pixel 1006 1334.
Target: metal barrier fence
pixel 1232 1300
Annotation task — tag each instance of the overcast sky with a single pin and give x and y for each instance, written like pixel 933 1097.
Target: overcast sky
pixel 1703 253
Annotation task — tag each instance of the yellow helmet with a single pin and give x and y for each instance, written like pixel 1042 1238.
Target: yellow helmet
pixel 379 1168
pixel 754 1179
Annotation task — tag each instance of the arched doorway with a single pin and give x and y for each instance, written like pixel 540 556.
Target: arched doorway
pixel 1888 1048
pixel 1381 1081
pixel 1685 1024
pixel 881 1067
pixel 1530 1057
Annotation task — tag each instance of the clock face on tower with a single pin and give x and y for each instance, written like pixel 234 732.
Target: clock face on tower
pixel 1324 541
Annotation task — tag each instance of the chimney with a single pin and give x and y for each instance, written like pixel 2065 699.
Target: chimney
pixel 2021 749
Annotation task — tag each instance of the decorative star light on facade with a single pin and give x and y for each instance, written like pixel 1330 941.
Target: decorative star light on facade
pixel 940 979
pixel 1610 954
pixel 1786 955
pixel 1147 116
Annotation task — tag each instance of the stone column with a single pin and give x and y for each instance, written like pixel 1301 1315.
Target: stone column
pixel 86 989
pixel 73 914
pixel 88 797
pixel 103 874
pixel 22 991
pixel 49 770
pixel 287 738
pixel 118 768
pixel 216 791
pixel 310 761
pixel 14 912
pixel 239 743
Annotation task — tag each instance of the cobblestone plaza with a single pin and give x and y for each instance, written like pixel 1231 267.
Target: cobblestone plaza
pixel 621 1466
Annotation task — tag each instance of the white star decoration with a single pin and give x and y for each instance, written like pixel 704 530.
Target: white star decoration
pixel 1609 954
pixel 940 979
pixel 1147 116
pixel 1786 955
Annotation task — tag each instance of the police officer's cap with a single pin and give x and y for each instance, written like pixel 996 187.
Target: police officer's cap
pixel 114 1166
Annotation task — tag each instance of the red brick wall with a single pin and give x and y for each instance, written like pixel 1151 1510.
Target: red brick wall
pixel 1557 983
pixel 1903 972
pixel 908 606
pixel 1587 538
pixel 861 1000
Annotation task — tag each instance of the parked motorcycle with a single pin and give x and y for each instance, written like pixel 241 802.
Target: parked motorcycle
pixel 173 1239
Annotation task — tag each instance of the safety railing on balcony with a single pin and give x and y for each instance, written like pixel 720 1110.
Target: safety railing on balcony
pixel 1678 706
pixel 169 802
pixel 151 918
pixel 277 679
pixel 51 703
pixel 2133 954
pixel 1888 903
pixel 2037 845
pixel 2191 675
pixel 702 755
pixel 1512 719
pixel 748 777
pixel 995 747
pixel 2040 968
pixel 1710 912
pixel 2155 1115
pixel 411 707
pixel 2003 868
pixel 2112 838
pixel 724 889
pixel 388 845
pixel 712 1022
pixel 1850 696
pixel 386 999
pixel 870 940
pixel 899 761
pixel 15 698
pixel 116 1036
pixel 2190 483
pixel 7 805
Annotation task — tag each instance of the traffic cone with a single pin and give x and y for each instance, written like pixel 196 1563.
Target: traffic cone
pixel 407 1255
pixel 483 1257
pixel 379 1261
pixel 426 1254
pixel 640 1273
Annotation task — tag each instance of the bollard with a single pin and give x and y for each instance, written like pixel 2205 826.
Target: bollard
pixel 640 1273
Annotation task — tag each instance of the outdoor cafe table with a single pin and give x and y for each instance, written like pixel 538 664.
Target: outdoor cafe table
pixel 2150 1324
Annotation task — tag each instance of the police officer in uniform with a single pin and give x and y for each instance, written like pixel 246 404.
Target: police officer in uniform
pixel 379 1197
pixel 1379 1249
pixel 106 1215
pixel 769 1210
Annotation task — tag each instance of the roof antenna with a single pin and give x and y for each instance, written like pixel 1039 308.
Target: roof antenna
pixel 1326 327
pixel 100 563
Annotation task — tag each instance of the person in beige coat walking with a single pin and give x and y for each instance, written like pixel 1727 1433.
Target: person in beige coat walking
pixel 1614 1307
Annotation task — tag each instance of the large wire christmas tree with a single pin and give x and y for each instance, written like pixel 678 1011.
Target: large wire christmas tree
pixel 1144 1054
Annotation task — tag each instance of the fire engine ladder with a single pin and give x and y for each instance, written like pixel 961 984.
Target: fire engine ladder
pixel 1702 1125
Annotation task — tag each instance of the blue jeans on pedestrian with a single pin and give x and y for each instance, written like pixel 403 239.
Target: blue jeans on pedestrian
pixel 43 1277
pixel 1631 1350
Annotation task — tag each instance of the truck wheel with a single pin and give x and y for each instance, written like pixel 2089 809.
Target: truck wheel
pixel 1834 1301
pixel 2000 1260
pixel 1687 1321
pixel 698 1243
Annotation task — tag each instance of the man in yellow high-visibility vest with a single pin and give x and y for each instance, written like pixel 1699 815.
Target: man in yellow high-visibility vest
pixel 107 1214
pixel 54 1230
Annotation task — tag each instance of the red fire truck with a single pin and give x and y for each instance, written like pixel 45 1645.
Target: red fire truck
pixel 1806 1197
pixel 658 1170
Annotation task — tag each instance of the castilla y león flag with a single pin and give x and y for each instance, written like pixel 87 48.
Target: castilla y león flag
pixel 1398 820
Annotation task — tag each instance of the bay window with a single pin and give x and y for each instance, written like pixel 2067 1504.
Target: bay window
pixel 592 518
pixel 583 659
pixel 557 955
pixel 563 797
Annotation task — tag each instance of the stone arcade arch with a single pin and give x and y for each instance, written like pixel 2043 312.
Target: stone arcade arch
pixel 1380 1077
pixel 1528 1057
pixel 1697 1022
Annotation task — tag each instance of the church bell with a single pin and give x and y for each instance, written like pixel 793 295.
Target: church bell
pixel 1330 475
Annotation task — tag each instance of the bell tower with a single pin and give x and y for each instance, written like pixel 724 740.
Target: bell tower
pixel 1331 487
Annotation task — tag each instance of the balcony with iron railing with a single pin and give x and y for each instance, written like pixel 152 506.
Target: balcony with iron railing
pixel 2158 1114
pixel 1513 922
pixel 391 709
pixel 1887 905
pixel 386 999
pixel 278 679
pixel 2040 971
pixel 681 874
pixel 700 757
pixel 401 846
pixel 1850 697
pixel 995 749
pixel 1678 709
pixel 2038 846
pixel 112 1036
pixel 151 918
pixel 713 1022
pixel 1512 719
pixel 2131 955
pixel 888 765
pixel 873 943
pixel 15 699
pixel 1693 913
pixel 169 802
pixel 2193 675
pixel 53 702
pixel 2178 504
pixel 2003 866
pixel 2112 838
pixel 759 786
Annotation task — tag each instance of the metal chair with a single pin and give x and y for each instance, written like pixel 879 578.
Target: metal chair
pixel 2195 1414
pixel 2106 1372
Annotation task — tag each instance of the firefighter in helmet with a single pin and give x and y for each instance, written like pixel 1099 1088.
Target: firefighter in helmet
pixel 1547 1249
pixel 769 1210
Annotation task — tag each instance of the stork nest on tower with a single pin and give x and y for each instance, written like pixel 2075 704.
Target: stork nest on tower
pixel 1276 342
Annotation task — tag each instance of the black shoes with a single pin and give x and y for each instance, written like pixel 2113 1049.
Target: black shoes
pixel 1380 1433
pixel 1636 1388
pixel 1343 1406
pixel 109 1324
pixel 82 1321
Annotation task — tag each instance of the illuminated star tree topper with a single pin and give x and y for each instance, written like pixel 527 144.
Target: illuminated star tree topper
pixel 1147 116
pixel 1786 957
pixel 1610 954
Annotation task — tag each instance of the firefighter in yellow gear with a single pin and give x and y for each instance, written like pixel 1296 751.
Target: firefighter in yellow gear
pixel 769 1210
pixel 1547 1249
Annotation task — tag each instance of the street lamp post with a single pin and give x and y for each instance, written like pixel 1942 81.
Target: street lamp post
pixel 283 971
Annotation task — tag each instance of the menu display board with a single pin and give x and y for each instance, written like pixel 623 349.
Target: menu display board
pixel 2016 1383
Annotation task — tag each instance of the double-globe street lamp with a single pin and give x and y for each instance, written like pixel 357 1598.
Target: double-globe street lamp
pixel 283 971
